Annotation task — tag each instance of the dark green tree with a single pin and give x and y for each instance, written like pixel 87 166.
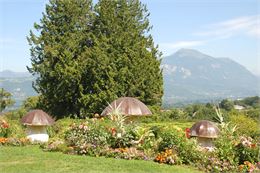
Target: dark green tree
pixel 124 27
pixel 86 57
pixel 226 104
pixel 5 99
pixel 59 49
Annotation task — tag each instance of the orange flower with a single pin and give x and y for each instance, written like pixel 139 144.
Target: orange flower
pixel 113 131
pixel 4 124
pixel 241 167
pixel 253 145
pixel 3 140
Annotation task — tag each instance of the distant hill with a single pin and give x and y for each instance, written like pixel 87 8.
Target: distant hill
pixel 191 76
pixel 20 85
pixel 11 74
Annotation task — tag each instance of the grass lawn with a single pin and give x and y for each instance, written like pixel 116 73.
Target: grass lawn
pixel 31 159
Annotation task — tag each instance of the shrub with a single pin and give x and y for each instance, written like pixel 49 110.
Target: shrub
pixel 245 125
pixel 59 128
pixel 87 138
pixel 11 128
pixel 14 141
pixel 211 163
pixel 247 150
pixel 249 167
pixel 4 128
pixel 253 113
pixel 126 153
pixel 225 148
pixel 16 114
pixel 121 139
pixel 169 156
pixel 55 145
pixel 185 148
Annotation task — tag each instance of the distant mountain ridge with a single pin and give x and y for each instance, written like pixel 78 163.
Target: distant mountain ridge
pixel 190 75
pixel 19 84
pixel 12 74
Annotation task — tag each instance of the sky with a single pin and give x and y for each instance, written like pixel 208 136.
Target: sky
pixel 219 28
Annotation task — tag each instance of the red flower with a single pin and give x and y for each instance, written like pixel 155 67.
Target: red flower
pixel 4 124
pixel 113 131
pixel 187 132
pixel 253 145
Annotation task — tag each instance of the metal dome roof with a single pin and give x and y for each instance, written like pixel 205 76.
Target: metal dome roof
pixel 37 118
pixel 127 106
pixel 204 128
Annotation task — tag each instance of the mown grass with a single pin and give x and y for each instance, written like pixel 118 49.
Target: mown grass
pixel 31 159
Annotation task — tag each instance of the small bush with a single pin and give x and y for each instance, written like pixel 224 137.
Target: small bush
pixel 169 156
pixel 186 149
pixel 59 128
pixel 14 141
pixel 245 125
pixel 225 147
pixel 247 150
pixel 55 145
pixel 4 128
pixel 87 138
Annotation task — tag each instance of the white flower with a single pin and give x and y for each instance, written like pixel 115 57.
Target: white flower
pixel 119 135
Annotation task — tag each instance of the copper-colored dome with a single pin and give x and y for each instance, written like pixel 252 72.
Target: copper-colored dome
pixel 37 118
pixel 205 129
pixel 127 106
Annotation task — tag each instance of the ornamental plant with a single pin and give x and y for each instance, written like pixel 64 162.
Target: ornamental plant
pixel 211 163
pixel 247 150
pixel 169 156
pixel 247 167
pixel 14 141
pixel 88 138
pixel 126 153
pixel 121 134
pixel 4 128
pixel 185 148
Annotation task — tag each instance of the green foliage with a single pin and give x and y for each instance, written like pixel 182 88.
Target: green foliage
pixel 253 113
pixel 5 99
pixel 4 128
pixel 58 129
pixel 245 125
pixel 186 149
pixel 225 147
pixel 85 56
pixel 87 138
pixel 247 150
pixel 11 128
pixel 200 112
pixel 31 103
pixel 226 104
pixel 33 159
pixel 212 163
pixel 249 102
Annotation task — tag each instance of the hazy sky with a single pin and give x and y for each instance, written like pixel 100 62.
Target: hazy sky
pixel 220 28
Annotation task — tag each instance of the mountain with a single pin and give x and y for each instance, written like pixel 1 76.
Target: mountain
pixel 191 76
pixel 11 74
pixel 19 84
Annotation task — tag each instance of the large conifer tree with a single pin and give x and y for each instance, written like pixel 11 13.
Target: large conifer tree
pixel 62 36
pixel 125 26
pixel 85 57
